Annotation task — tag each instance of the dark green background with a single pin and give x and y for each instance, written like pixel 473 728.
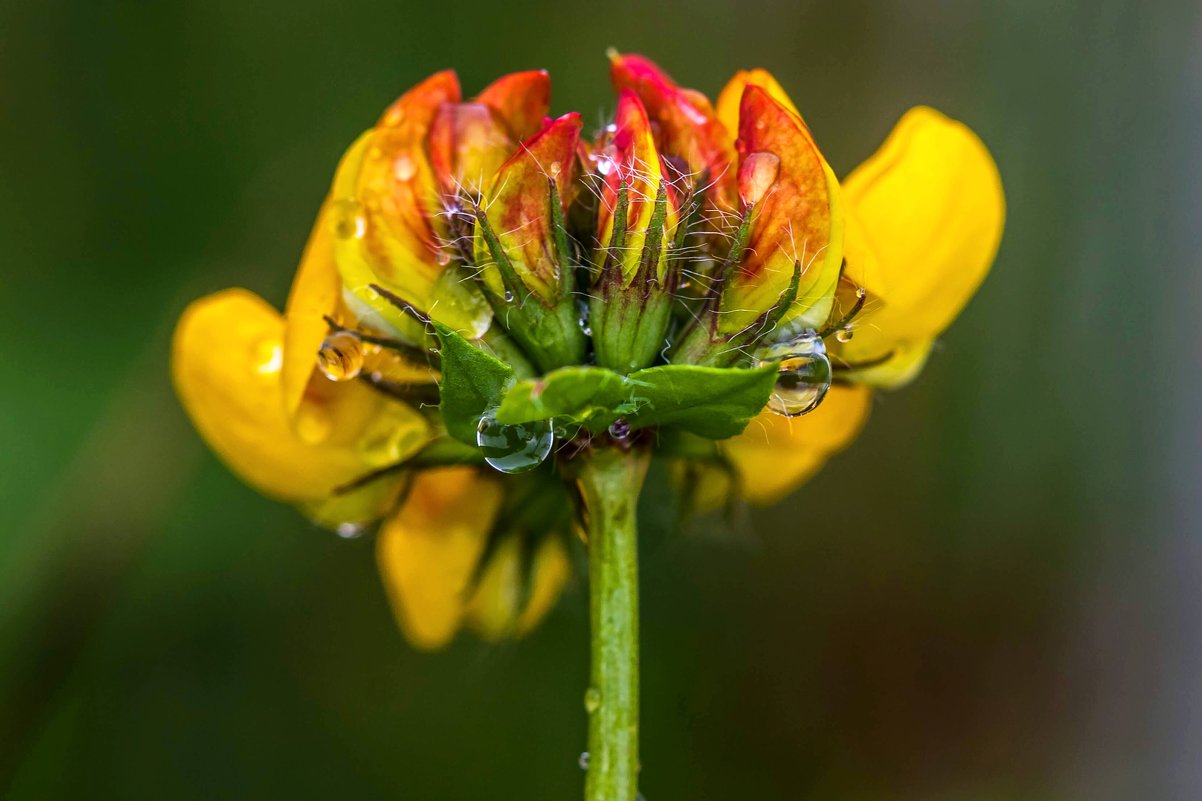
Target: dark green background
pixel 993 595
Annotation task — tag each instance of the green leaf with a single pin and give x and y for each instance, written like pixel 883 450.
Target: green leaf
pixel 473 382
pixel 589 396
pixel 712 402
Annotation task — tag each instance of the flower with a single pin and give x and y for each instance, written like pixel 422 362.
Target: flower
pixel 488 293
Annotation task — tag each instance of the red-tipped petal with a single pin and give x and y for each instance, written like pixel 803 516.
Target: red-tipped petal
pixel 519 211
pixel 521 99
pixel 688 126
pixel 631 160
pixel 793 220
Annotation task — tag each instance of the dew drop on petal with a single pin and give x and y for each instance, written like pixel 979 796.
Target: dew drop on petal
pixel 805 374
pixel 403 168
pixel 756 176
pixel 845 334
pixel 514 448
pixel 554 169
pixel 340 357
pixel 349 221
pixel 592 700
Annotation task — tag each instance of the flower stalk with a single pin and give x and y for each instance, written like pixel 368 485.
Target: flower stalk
pixel 610 480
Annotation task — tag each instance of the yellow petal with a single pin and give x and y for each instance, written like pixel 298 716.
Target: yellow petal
pixel 776 454
pixel 930 208
pixel 552 569
pixel 316 292
pixel 226 360
pixel 494 605
pixel 427 552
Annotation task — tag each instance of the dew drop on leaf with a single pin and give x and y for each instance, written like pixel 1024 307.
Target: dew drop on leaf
pixel 514 448
pixel 805 374
pixel 592 700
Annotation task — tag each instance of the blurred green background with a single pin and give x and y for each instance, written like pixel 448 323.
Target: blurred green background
pixel 993 595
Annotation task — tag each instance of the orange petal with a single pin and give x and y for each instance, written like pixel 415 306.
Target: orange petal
pixel 521 99
pixel 468 142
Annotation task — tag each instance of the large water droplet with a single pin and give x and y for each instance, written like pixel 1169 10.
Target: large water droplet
pixel 592 700
pixel 516 448
pixel 341 356
pixel 349 221
pixel 756 176
pixel 805 374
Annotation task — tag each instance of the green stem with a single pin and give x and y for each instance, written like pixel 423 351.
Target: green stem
pixel 610 480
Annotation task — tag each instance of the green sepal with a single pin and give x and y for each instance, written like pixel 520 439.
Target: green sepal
pixel 711 402
pixel 473 382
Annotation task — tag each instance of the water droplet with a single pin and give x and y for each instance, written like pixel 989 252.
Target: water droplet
pixel 845 334
pixel 350 531
pixel 270 357
pixel 583 760
pixel 509 296
pixel 516 448
pixel 403 168
pixel 756 176
pixel 443 258
pixel 805 374
pixel 555 169
pixel 592 700
pixel 585 328
pixel 349 220
pixel 619 429
pixel 341 356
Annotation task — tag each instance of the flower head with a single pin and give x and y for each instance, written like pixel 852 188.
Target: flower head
pixel 488 291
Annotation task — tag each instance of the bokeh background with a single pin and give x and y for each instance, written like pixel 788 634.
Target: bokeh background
pixel 994 595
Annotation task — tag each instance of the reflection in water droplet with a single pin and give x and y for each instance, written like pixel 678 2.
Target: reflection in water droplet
pixel 517 448
pixel 619 429
pixel 583 760
pixel 349 222
pixel 844 334
pixel 341 356
pixel 592 700
pixel 350 531
pixel 805 374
